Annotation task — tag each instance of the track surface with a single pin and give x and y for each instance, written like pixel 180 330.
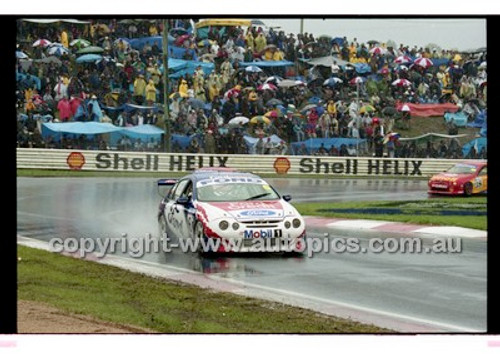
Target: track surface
pixel 416 292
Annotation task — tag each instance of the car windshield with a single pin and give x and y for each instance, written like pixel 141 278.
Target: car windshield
pixel 236 192
pixel 462 169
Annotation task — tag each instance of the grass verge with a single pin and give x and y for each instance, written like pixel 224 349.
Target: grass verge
pixel 417 211
pixel 116 295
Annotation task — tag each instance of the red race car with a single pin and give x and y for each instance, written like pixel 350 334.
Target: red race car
pixel 465 178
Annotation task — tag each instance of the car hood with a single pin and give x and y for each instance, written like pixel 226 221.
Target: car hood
pixel 451 177
pixel 247 210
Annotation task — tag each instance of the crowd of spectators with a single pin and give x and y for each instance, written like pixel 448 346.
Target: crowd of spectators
pixel 293 102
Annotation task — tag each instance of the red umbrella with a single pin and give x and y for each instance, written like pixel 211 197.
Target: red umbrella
pixel 424 62
pixel 181 39
pixel 357 80
pixel 384 71
pixel 267 86
pixel 403 59
pixel 378 50
pixel 401 83
pixel 42 43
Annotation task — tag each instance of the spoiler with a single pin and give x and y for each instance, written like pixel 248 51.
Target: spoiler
pixel 166 182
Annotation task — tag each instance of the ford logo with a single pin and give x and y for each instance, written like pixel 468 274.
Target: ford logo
pixel 258 213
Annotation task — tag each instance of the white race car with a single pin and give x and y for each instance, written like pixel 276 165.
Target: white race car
pixel 223 210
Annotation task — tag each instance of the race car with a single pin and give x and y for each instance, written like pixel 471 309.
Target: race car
pixel 239 210
pixel 465 178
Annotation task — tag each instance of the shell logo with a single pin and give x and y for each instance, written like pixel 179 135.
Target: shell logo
pixel 75 160
pixel 281 165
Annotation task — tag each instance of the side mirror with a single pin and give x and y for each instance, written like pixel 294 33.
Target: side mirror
pixel 182 201
pixel 287 198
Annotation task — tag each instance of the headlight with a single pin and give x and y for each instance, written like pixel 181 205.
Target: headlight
pixel 287 224
pixel 296 223
pixel 223 225
pixel 235 226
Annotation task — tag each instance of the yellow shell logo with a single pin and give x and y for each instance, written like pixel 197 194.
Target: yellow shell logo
pixel 75 160
pixel 281 165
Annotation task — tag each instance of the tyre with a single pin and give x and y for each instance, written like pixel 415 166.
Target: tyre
pixel 468 189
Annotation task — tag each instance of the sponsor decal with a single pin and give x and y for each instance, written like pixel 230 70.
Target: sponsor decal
pixel 117 162
pixel 75 160
pixel 246 205
pixel 281 165
pixel 252 213
pixel 372 166
pixel 227 180
pixel 269 233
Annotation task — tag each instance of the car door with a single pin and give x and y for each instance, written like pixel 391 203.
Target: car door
pixel 173 210
pixel 481 181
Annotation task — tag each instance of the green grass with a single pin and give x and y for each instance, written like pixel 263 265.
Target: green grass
pixel 409 208
pixel 116 295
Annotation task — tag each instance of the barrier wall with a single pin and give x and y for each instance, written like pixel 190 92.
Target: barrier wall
pixel 93 160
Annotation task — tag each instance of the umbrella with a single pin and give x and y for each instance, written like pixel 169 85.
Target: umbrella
pixel 206 43
pixel 405 108
pixel 58 51
pixel 106 59
pixel 308 107
pixel 275 79
pixel 196 103
pixel 274 102
pixel 41 43
pixel 389 111
pixel 332 82
pixel 290 83
pixel 384 71
pixel 240 120
pixel 423 62
pixel 270 46
pixel 21 55
pixel 391 136
pixel 178 31
pixel 401 83
pixel 88 58
pixel 179 40
pixel 378 50
pixel 373 42
pixel 273 114
pixel 367 108
pixel 457 57
pixel 80 42
pixel 55 44
pixel 267 86
pixel 253 69
pixel 91 49
pixel 357 80
pixel 403 59
pixel 260 119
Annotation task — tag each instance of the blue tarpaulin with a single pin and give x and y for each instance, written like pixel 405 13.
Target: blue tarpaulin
pixel 182 67
pixel 173 51
pixel 182 140
pixel 145 132
pixel 314 144
pixel 267 63
pixel 459 118
pixel 87 128
pixel 362 68
pixel 252 142
pixel 478 144
pixel 480 120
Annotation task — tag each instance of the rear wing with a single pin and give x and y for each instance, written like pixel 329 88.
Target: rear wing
pixel 164 185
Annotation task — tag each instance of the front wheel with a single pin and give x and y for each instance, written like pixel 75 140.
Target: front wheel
pixel 468 189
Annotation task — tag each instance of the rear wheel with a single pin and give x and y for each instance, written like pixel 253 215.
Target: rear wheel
pixel 468 189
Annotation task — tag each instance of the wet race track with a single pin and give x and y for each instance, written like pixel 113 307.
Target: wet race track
pixel 407 292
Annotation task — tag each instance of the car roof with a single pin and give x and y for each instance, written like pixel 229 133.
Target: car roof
pixel 219 173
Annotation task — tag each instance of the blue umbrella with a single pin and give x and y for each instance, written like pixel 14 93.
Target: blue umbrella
pixel 58 51
pixel 314 100
pixel 332 82
pixel 88 58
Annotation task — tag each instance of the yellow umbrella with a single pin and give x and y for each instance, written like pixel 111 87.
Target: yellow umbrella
pixel 367 108
pixel 260 119
pixel 457 57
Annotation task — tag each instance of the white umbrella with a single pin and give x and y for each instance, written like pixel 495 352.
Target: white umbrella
pixel 57 51
pixel 378 50
pixel 253 69
pixel 21 55
pixel 405 108
pixel 240 120
pixel 401 83
pixel 403 59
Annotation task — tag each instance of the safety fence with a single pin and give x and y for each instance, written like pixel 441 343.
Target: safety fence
pixel 94 160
